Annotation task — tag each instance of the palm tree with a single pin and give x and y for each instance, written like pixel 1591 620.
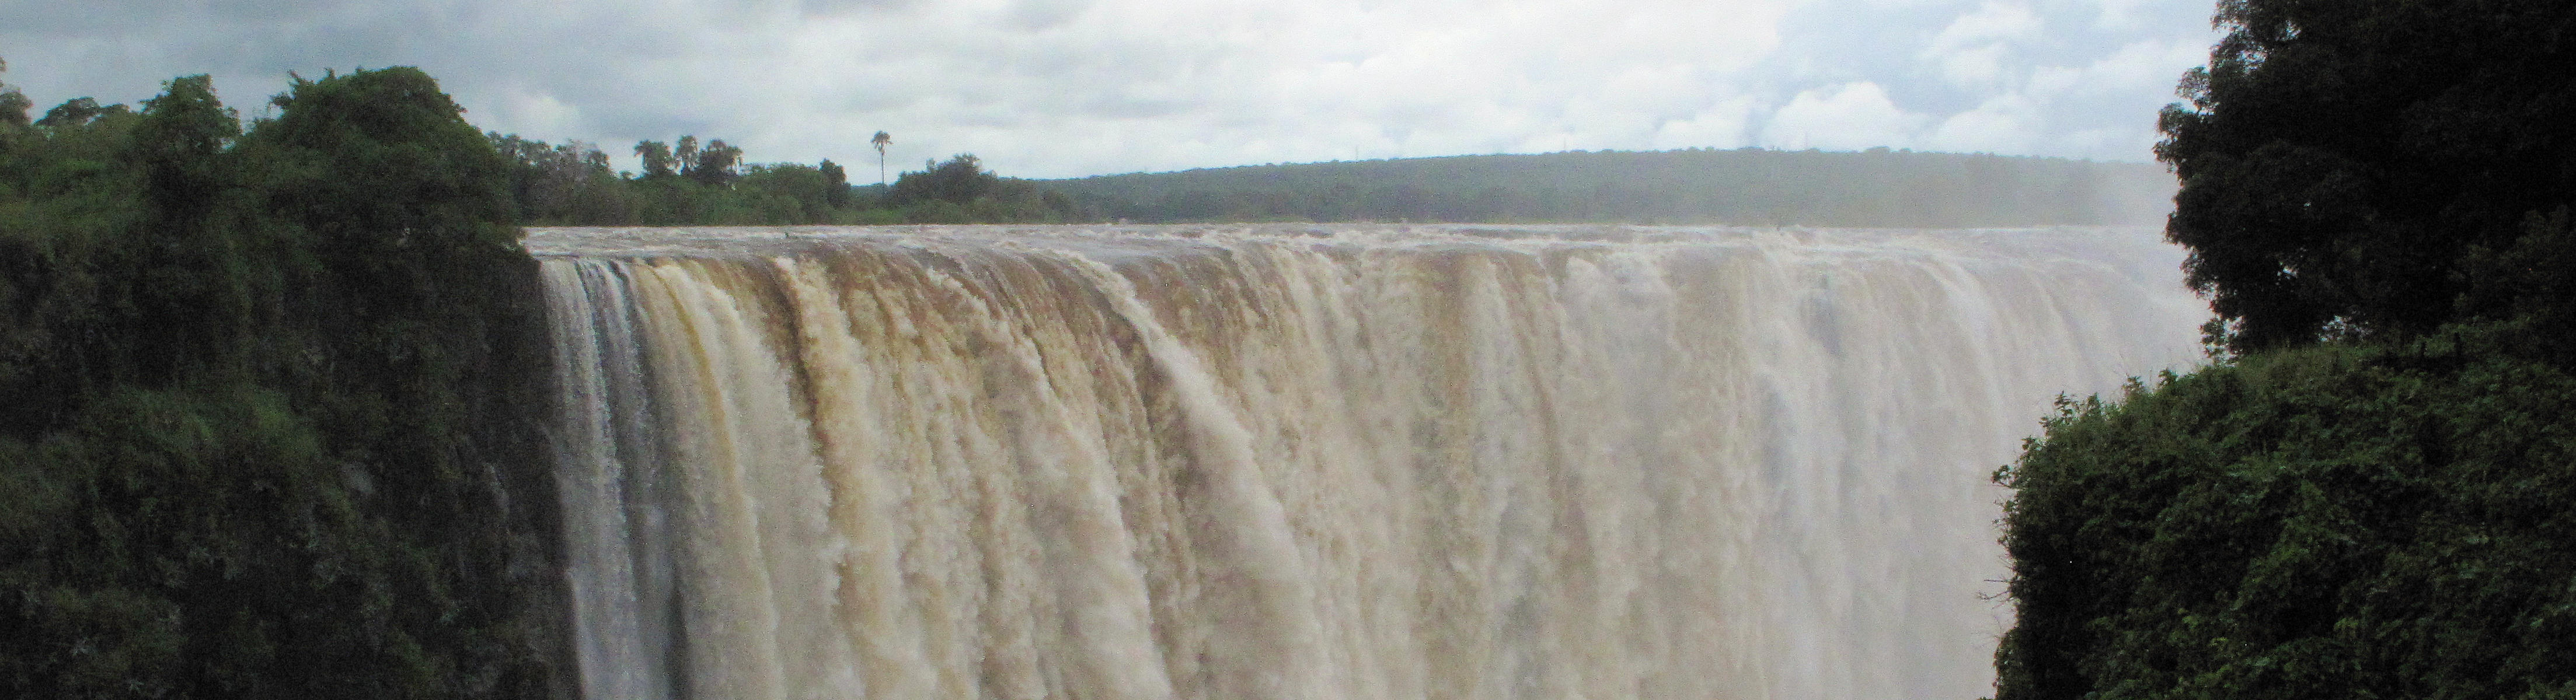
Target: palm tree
pixel 881 140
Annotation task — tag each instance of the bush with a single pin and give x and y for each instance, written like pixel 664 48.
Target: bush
pixel 275 397
pixel 2333 522
pixel 2349 169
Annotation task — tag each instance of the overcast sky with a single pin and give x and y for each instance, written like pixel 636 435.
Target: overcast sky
pixel 1054 88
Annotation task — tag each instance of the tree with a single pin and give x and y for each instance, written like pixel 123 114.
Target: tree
pixel 560 183
pixel 715 164
pixel 14 105
pixel 285 390
pixel 78 111
pixel 190 300
pixel 2371 498
pixel 881 140
pixel 2338 521
pixel 687 153
pixel 418 309
pixel 959 180
pixel 836 183
pixel 2377 169
pixel 657 158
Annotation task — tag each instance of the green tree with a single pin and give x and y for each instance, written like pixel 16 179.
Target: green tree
pixel 559 183
pixel 2366 169
pixel 959 180
pixel 78 111
pixel 2338 521
pixel 716 164
pixel 192 296
pixel 836 182
pixel 275 396
pixel 14 104
pixel 881 140
pixel 657 158
pixel 408 294
pixel 2370 497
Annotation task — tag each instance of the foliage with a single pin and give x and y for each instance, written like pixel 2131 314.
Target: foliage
pixel 78 111
pixel 959 190
pixel 272 428
pixel 14 104
pixel 570 181
pixel 714 165
pixel 2394 521
pixel 2366 168
pixel 1878 187
pixel 571 185
pixel 655 155
pixel 2374 493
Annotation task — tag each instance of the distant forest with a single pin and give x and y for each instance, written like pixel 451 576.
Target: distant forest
pixel 571 184
pixel 1749 186
pixel 693 183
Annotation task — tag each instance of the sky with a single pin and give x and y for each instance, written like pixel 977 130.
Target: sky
pixel 1066 88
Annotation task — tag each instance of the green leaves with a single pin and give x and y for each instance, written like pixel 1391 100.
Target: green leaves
pixel 2373 494
pixel 2383 521
pixel 2344 163
pixel 14 104
pixel 270 393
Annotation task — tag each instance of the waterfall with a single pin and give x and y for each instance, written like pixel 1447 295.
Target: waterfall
pixel 1315 462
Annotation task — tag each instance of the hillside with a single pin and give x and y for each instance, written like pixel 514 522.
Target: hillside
pixel 1875 188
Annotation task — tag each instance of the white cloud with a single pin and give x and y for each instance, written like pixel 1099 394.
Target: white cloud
pixel 2143 67
pixel 1073 87
pixel 1975 66
pixel 1842 117
pixel 2002 125
pixel 1974 49
pixel 1991 23
pixel 1722 125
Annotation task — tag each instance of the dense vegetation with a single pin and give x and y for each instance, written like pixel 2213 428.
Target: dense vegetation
pixel 692 184
pixel 2373 492
pixel 2359 169
pixel 272 402
pixel 1749 186
pixel 2345 521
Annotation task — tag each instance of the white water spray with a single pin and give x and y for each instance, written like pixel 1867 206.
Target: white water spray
pixel 1315 462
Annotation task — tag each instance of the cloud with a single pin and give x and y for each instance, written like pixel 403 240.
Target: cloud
pixel 1974 49
pixel 1074 87
pixel 1991 24
pixel 2001 125
pixel 1842 117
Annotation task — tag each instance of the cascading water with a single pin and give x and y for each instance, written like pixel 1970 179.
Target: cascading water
pixel 1315 462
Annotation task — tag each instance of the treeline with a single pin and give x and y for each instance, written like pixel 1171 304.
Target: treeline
pixel 690 183
pixel 2372 492
pixel 1875 188
pixel 270 402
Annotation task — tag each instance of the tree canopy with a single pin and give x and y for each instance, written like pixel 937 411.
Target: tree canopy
pixel 2358 169
pixel 2369 494
pixel 714 183
pixel 273 403
pixel 2335 522
pixel 14 104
